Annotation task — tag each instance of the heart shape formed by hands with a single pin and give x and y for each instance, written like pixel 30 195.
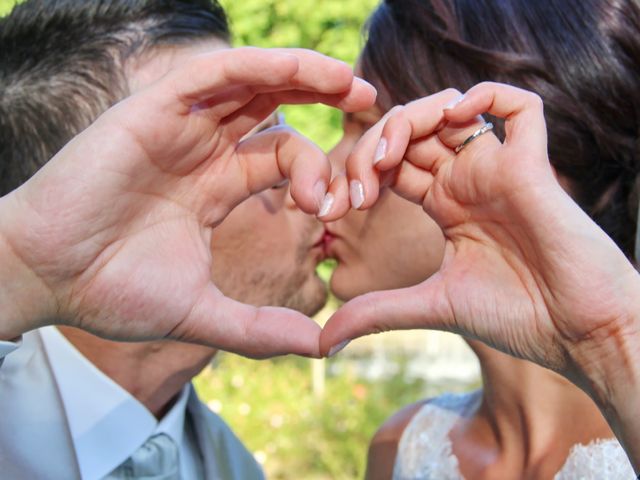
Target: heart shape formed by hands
pixel 112 234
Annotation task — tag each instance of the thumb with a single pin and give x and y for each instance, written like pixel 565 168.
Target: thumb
pixel 420 306
pixel 255 332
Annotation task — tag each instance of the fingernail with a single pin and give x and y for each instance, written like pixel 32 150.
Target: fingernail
pixel 356 192
pixel 381 151
pixel 338 348
pixel 366 83
pixel 327 204
pixel 453 103
pixel 319 191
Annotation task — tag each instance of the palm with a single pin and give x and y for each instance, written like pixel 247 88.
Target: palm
pixel 159 172
pixel 487 285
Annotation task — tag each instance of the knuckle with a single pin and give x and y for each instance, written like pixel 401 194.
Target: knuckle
pixel 398 109
pixel 453 92
pixel 486 84
pixel 535 100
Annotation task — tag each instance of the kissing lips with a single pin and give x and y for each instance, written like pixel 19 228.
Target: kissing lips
pixel 327 239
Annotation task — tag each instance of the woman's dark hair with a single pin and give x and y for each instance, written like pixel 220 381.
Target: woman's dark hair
pixel 581 56
pixel 63 62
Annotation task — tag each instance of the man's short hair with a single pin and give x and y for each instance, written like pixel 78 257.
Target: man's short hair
pixel 63 64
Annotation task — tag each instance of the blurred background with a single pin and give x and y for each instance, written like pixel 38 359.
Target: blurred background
pixel 312 419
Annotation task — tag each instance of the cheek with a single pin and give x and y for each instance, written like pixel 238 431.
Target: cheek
pixel 363 254
pixel 351 280
pixel 398 246
pixel 254 230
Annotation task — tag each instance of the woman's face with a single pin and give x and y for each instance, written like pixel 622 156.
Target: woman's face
pixel 392 245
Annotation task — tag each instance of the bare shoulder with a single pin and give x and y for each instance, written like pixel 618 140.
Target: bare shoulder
pixel 384 444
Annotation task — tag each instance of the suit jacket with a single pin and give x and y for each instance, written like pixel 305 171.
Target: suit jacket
pixel 35 442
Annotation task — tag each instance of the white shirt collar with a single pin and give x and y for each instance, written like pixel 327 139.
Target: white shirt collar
pixel 107 424
pixel 6 347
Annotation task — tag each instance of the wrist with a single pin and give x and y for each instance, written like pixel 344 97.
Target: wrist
pixel 609 370
pixel 25 300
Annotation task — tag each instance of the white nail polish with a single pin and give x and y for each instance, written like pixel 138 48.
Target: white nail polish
pixel 453 103
pixel 327 205
pixel 381 151
pixel 338 348
pixel 356 192
pixel 319 191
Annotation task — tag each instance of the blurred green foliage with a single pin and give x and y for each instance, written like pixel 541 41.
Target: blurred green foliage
pixel 6 6
pixel 332 27
pixel 294 433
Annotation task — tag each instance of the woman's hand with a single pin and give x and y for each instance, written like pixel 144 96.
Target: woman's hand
pixel 113 234
pixel 525 269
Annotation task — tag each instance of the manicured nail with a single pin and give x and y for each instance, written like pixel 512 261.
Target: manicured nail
pixel 356 192
pixel 453 103
pixel 319 191
pixel 381 151
pixel 327 205
pixel 338 348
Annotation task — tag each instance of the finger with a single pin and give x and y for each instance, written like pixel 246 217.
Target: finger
pixel 358 90
pixel 198 79
pixel 414 177
pixel 417 119
pixel 384 145
pixel 336 203
pixel 318 72
pixel 454 135
pixel 421 306
pixel 221 322
pixel 202 76
pixel 238 101
pixel 429 153
pixel 522 110
pixel 267 158
pixel 412 182
pixel 363 178
pixel 239 122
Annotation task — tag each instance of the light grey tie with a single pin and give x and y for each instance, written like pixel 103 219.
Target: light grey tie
pixel 156 459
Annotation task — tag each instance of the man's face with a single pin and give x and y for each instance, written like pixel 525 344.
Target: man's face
pixel 266 251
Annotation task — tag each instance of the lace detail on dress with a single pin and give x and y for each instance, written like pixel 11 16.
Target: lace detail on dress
pixel 596 461
pixel 425 452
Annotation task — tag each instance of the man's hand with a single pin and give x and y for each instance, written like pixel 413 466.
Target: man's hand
pixel 113 234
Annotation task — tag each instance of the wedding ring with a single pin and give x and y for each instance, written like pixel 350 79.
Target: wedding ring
pixel 484 129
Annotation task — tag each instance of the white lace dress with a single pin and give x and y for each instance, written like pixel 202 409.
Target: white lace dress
pixel 425 452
